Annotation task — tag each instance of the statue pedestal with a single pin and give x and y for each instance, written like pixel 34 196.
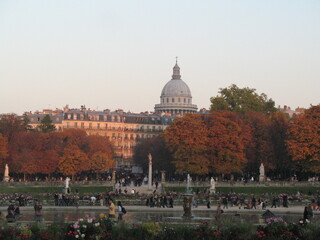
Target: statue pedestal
pixel 6 178
pixel 212 190
pixel 262 178
pixel 187 203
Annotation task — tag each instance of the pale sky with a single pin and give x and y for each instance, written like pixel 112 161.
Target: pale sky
pixel 120 54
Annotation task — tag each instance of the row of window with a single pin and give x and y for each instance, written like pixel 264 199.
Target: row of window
pixel 105 126
pixel 118 137
pixel 178 100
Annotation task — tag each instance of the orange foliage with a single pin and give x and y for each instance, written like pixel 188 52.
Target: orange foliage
pixel 187 139
pixel 73 161
pixel 3 148
pixel 35 152
pixel 304 140
pixel 101 162
pixel 226 142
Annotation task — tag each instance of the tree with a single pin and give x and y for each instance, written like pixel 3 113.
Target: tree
pixel 304 140
pixel 260 148
pixel 281 160
pixel 242 100
pixel 48 162
pixel 101 162
pixel 93 144
pixel 73 161
pixel 46 125
pixel 161 156
pixel 187 140
pixel 25 123
pixel 226 149
pixel 10 125
pixel 3 148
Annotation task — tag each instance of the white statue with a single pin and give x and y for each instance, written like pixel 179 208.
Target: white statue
pixel 261 170
pixel 213 185
pixel 67 182
pixel 261 176
pixel 6 174
pixel 150 172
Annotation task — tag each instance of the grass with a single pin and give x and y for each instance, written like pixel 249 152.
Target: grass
pixel 40 190
pixel 102 189
pixel 254 190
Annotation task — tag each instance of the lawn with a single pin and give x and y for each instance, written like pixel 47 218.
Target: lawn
pixel 39 190
pixel 254 190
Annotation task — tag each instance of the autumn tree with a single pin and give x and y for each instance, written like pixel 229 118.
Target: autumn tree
pixel 304 140
pixel 75 137
pixel 226 149
pixel 187 140
pixel 73 161
pixel 242 100
pixel 46 125
pixel 3 148
pixel 281 160
pixel 161 156
pixel 260 148
pixel 101 162
pixel 10 125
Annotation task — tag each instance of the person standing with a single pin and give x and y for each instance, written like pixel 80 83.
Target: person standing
pixel 120 212
pixel 218 212
pixel 37 211
pixel 274 202
pixel 112 211
pixel 225 202
pixel 254 202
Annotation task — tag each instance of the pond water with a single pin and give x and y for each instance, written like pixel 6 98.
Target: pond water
pixel 70 215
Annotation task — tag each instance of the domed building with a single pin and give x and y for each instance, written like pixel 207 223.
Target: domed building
pixel 176 96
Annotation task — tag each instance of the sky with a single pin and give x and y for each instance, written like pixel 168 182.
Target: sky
pixel 119 54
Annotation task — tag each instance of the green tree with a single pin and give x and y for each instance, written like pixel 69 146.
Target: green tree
pixel 26 123
pixel 46 125
pixel 161 157
pixel 242 100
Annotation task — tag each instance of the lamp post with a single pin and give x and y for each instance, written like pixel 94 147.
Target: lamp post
pixel 150 172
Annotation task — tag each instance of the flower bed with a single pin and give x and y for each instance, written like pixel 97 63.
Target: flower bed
pixel 102 228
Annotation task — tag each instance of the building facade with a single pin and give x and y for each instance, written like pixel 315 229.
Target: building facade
pixel 125 129
pixel 122 129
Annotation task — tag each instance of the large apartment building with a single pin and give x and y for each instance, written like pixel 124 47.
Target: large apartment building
pixel 124 129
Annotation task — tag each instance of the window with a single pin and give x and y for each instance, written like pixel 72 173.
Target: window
pixel 184 100
pixel 90 125
pixel 167 100
pixel 98 125
pixel 172 99
pixel 188 100
pixel 68 124
pixel 178 99
pixel 82 125
pixel 75 125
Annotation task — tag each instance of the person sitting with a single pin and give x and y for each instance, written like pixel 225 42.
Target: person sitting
pixel 16 210
pixel 10 216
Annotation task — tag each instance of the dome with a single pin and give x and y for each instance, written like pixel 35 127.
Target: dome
pixel 176 88
pixel 176 96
